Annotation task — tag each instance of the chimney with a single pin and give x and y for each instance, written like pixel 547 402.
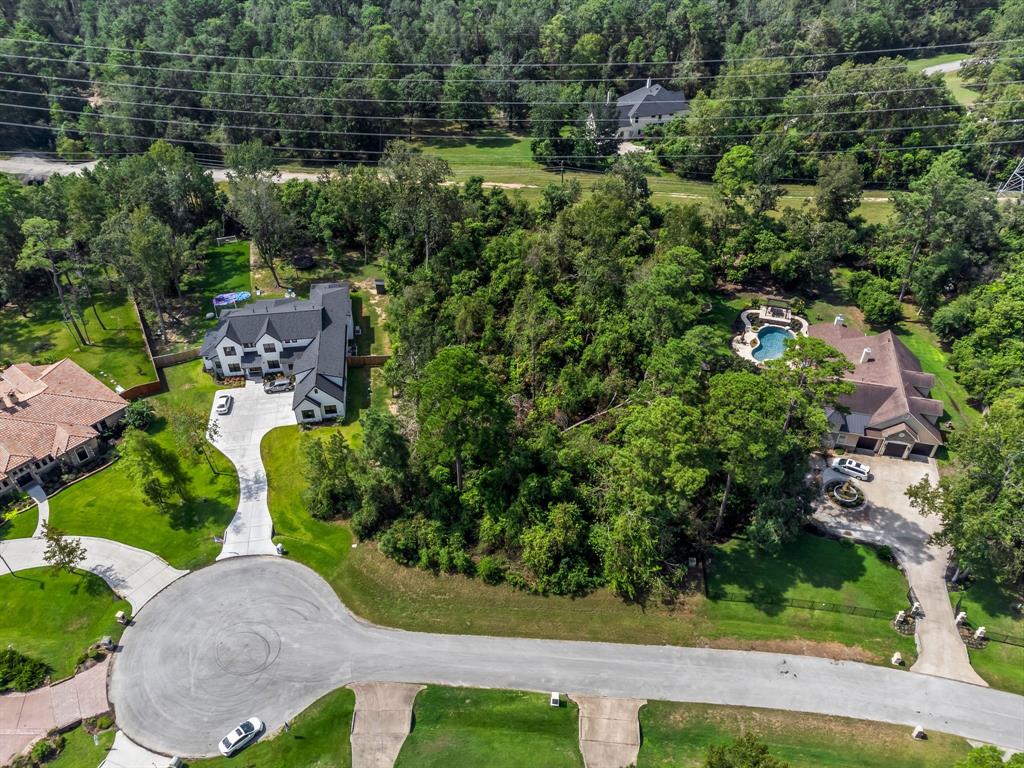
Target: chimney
pixel 865 355
pixel 838 320
pixel 608 97
pixel 648 82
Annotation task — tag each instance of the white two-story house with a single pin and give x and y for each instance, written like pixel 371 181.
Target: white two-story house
pixel 304 339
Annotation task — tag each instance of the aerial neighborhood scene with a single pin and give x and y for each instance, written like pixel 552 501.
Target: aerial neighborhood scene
pixel 500 384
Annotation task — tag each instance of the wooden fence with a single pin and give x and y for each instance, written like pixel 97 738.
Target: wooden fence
pixel 165 361
pixel 367 361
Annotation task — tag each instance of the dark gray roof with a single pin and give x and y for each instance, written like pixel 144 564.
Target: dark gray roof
pixel 650 100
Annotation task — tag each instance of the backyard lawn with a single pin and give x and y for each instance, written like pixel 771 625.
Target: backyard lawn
pixel 498 729
pixel 989 606
pixel 117 355
pixel 380 590
pixel 328 268
pixel 678 735
pixel 55 617
pixel 318 739
pixel 108 504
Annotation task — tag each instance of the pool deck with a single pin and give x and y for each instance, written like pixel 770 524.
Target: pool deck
pixel 745 343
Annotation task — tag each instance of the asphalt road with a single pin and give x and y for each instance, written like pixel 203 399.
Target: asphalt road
pixel 266 636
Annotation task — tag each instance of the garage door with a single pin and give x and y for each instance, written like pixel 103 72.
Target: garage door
pixel 921 449
pixel 867 443
pixel 894 449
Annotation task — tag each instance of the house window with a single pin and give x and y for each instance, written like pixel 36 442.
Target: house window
pixel 82 454
pixel 248 346
pixel 273 364
pixel 234 368
pixel 229 351
pixel 269 348
pixel 307 414
pixel 330 410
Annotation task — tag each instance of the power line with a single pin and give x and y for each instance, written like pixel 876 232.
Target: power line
pixel 437 81
pixel 443 65
pixel 454 136
pixel 55 129
pixel 417 118
pixel 492 102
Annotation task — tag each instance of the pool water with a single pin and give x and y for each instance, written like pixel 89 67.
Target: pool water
pixel 772 343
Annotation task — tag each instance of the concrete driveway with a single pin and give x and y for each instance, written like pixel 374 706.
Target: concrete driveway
pixel 252 415
pixel 887 518
pixel 266 636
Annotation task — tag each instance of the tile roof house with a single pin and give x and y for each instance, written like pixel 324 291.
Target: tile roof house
pixel 650 105
pixel 51 415
pixel 890 411
pixel 304 339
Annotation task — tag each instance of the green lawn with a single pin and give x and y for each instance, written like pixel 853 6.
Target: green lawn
pixel 21 525
pixel 989 606
pixel 81 752
pixel 678 735
pixel 498 729
pixel 319 738
pixel 108 504
pixel 116 356
pixel 386 593
pixel 224 269
pixel 55 617
pixel 329 267
pixel 964 95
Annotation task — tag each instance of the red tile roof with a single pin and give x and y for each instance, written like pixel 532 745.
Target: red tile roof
pixel 47 410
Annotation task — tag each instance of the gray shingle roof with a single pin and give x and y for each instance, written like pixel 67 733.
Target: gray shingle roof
pixel 650 100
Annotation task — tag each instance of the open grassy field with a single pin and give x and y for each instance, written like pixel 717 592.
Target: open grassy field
pixel 56 616
pixel 384 592
pixel 80 751
pixel 108 504
pixel 964 95
pixel 117 355
pixel 989 606
pixel 678 736
pixel 506 160
pixel 498 729
pixel 318 739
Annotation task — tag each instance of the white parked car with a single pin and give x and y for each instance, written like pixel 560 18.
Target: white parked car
pixel 223 402
pixel 241 737
pixel 851 468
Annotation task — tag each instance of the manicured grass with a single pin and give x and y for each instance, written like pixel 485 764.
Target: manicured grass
pixel 117 355
pixel 20 525
pixel 989 606
pixel 319 738
pixel 380 590
pixel 224 269
pixel 678 736
pixel 55 617
pixel 964 95
pixel 499 729
pixel 329 267
pixel 109 505
pixel 81 752
pixel 928 350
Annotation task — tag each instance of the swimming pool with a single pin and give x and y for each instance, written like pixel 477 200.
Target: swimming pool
pixel 772 342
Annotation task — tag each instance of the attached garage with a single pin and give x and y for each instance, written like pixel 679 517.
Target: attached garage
pixel 922 449
pixel 867 444
pixel 895 449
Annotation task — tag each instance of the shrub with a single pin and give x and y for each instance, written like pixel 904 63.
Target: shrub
pixel 138 415
pixel 47 749
pixel 879 305
pixel 19 672
pixel 492 569
pixel 884 553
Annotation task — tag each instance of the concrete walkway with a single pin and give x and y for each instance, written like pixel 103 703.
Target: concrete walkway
pixel 27 717
pixel 609 731
pixel 887 518
pixel 134 574
pixel 266 636
pixel 125 753
pixel 252 415
pixel 35 490
pixel 380 723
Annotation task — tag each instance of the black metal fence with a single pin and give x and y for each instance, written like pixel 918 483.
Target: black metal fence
pixel 810 605
pixel 999 637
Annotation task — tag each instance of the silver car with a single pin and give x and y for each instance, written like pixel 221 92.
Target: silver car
pixel 241 737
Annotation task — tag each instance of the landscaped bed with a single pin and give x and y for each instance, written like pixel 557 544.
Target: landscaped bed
pixel 678 735
pixel 56 616
pixel 107 504
pixel 498 729
pixel 989 606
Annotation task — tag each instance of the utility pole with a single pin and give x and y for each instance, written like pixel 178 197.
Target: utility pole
pixel 561 178
pixel 1015 183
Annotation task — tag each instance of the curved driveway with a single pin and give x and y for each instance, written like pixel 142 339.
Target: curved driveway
pixel 266 636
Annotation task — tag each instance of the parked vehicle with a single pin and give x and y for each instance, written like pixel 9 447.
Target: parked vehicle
pixel 851 468
pixel 241 737
pixel 223 402
pixel 278 385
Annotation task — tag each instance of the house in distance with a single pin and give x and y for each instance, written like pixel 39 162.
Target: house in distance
pixel 650 105
pixel 306 339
